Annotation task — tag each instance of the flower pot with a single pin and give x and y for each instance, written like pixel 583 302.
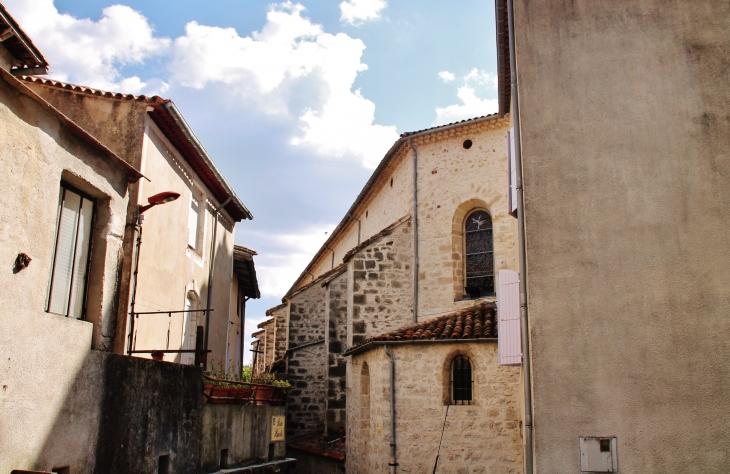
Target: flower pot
pixel 207 388
pixel 242 395
pixel 219 395
pixel 264 394
pixel 158 355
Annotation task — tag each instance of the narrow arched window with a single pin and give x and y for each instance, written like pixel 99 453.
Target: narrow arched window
pixel 478 255
pixel 461 380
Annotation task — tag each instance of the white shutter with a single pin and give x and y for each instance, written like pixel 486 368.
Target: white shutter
pixel 83 244
pixel 193 222
pixel 511 173
pixel 508 310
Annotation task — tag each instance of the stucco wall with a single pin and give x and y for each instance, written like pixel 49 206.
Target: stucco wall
pixel 169 270
pixel 481 438
pixel 48 420
pixel 625 146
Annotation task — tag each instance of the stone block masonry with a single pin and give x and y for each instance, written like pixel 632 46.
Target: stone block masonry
pixel 336 345
pixel 307 316
pixel 306 407
pixel 382 284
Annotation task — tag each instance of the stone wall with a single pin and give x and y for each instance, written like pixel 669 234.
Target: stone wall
pixel 270 329
pixel 382 284
pixel 484 437
pixel 281 318
pixel 306 315
pixel 306 408
pixel 336 345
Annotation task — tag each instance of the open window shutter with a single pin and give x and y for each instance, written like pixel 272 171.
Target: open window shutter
pixel 509 334
pixel 511 174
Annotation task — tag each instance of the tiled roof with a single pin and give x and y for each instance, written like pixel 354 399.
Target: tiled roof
pixel 318 444
pixel 18 43
pixel 171 122
pixel 264 323
pixel 433 129
pixel 475 322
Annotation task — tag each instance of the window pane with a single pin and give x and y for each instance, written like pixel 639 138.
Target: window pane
pixel 83 245
pixel 63 259
pixel 479 258
pixel 193 222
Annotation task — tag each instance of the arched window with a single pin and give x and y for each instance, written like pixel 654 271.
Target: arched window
pixel 461 380
pixel 478 255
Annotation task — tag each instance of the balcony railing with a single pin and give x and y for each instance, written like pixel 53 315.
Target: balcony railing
pixel 199 351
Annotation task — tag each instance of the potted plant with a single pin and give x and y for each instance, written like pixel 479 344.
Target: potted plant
pixel 283 388
pixel 264 388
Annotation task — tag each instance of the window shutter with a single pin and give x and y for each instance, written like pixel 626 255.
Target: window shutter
pixel 509 333
pixel 193 214
pixel 511 174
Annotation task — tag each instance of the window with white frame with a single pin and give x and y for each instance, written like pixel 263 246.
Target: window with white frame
pixel 67 292
pixel 194 220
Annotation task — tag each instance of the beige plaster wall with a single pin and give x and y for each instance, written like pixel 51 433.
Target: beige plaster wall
pixel 49 420
pixel 481 438
pixel 168 268
pixel 626 161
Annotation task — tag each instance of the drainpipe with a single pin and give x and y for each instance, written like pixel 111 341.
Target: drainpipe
pixel 358 227
pixel 333 256
pixel 415 232
pixel 393 464
pixel 524 314
pixel 210 280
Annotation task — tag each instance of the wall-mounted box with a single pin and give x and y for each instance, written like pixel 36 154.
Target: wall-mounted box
pixel 598 454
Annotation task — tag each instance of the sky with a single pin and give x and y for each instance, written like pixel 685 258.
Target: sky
pixel 297 102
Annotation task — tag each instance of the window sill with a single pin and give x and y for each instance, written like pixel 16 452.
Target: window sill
pixel 472 298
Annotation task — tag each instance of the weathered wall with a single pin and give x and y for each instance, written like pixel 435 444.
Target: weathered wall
pixel 149 409
pixel 44 356
pixel 244 430
pixel 336 344
pixel 269 335
pixel 482 438
pixel 281 318
pixel 169 269
pixel 306 407
pixel 627 211
pixel 382 284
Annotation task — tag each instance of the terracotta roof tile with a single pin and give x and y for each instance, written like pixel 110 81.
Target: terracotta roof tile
pixel 318 444
pixel 466 121
pixel 475 322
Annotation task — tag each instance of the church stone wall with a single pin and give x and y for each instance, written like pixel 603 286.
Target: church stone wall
pixel 484 437
pixel 281 321
pixel 336 344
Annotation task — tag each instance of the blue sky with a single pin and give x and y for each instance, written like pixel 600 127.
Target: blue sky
pixel 296 102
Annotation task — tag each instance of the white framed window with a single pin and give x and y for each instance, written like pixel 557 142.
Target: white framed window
pixel 195 214
pixel 67 292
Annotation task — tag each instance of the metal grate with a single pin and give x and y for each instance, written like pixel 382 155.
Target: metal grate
pixel 479 254
pixel 461 380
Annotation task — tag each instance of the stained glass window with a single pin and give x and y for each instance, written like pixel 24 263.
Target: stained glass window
pixel 479 255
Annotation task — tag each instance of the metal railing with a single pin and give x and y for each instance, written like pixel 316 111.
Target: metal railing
pixel 199 350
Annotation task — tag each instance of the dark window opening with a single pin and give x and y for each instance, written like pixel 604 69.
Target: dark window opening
pixel 62 470
pixel 467 144
pixel 366 214
pixel 605 445
pixel 391 182
pixel 163 464
pixel 461 380
pixel 479 255
pixel 271 451
pixel 224 459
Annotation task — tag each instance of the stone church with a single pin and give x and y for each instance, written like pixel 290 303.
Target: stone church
pixel 390 332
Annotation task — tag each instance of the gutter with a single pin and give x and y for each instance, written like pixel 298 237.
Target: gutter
pixel 370 345
pixel 524 313
pixel 415 231
pixel 177 117
pixel 393 464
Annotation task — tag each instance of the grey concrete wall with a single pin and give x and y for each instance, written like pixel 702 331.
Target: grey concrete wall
pixel 150 409
pixel 626 159
pixel 244 430
pixel 336 345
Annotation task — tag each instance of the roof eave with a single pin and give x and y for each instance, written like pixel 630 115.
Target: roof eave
pixel 38 59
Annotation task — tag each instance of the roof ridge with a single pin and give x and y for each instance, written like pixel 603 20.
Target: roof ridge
pixel 93 91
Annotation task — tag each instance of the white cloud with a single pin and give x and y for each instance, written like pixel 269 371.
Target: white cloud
pixel 447 76
pixel 289 254
pixel 480 77
pixel 265 66
pixel 91 52
pixel 355 12
pixel 471 106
